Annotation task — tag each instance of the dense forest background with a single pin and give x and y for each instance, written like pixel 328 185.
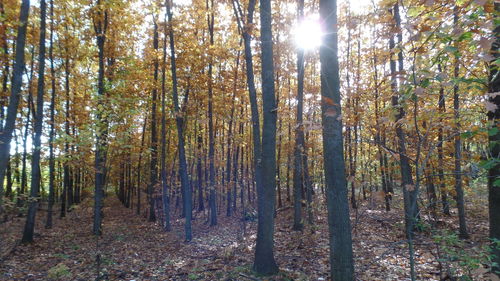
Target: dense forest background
pixel 237 139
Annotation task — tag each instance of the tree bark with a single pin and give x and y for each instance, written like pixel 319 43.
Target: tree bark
pixel 264 262
pixel 186 187
pixel 164 147
pixel 494 146
pixel 15 95
pixel 100 28
pixel 458 146
pixel 341 257
pixel 298 174
pixel 442 185
pixel 29 227
pixel 153 180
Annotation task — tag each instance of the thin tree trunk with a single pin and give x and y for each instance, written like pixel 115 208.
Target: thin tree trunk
pixel 29 227
pixel 15 95
pixel 247 40
pixel 201 205
pixel 298 179
pixel 164 147
pixel 153 173
pixel 442 185
pixel 211 141
pixel 408 186
pixel 458 146
pixel 229 138
pixel 186 187
pixel 100 27
pixel 139 179
pixel 66 169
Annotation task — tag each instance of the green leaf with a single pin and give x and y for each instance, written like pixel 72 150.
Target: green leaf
pixel 493 131
pixel 496 183
pixel 450 49
pixel 488 164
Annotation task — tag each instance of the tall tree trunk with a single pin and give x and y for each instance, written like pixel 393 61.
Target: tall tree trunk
pixel 29 227
pixel 24 173
pixel 494 146
pixel 211 141
pixel 201 205
pixel 406 176
pixel 100 28
pixel 29 114
pixel 66 169
pixel 278 162
pixel 252 92
pixel 341 257
pixel 458 145
pixel 229 208
pixel 153 173
pixel 164 147
pixel 408 186
pixel 378 140
pixel 6 66
pixel 264 257
pixel 442 185
pixel 298 175
pixel 139 179
pixel 15 95
pixel 186 187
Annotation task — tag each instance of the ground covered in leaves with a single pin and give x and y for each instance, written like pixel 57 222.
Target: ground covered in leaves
pixel 131 248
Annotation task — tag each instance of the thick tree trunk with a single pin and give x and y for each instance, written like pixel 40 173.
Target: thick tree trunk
pixel 264 254
pixel 341 257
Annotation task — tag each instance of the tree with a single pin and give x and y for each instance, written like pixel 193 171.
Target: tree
pixel 339 226
pixel 15 95
pixel 264 256
pixel 48 223
pixel 153 173
pixel 245 28
pixel 185 186
pixel 29 227
pixel 458 144
pixel 165 196
pixel 298 178
pixel 494 146
pixel 211 141
pixel 100 27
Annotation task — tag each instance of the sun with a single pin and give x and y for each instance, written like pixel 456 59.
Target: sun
pixel 308 34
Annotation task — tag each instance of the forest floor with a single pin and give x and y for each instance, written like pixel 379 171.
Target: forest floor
pixel 133 249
